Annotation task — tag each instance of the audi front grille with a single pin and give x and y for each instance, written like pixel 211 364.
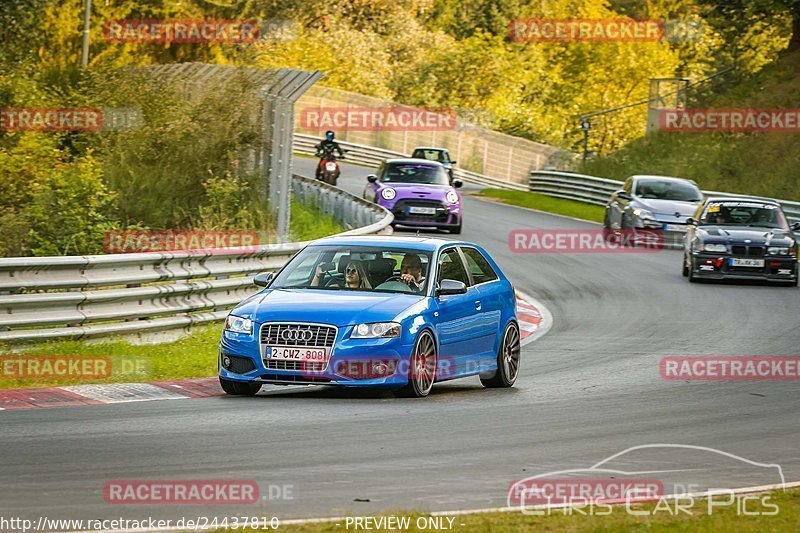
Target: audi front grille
pixel 305 335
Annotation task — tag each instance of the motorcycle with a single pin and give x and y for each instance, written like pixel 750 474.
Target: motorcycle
pixel 328 169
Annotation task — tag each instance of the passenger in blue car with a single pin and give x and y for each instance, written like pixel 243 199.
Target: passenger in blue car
pixel 356 276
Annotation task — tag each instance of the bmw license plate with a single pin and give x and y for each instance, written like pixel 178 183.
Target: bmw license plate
pixel 741 262
pixel 293 353
pixel 422 210
pixel 675 227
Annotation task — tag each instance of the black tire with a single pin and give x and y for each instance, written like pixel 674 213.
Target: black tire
pixel 685 271
pixel 422 368
pixel 508 360
pixel 238 388
pixel 606 227
pixel 690 274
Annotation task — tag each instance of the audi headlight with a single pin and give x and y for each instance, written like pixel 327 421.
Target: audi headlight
pixel 238 324
pixel 778 250
pixel 451 197
pixel 711 247
pixel 388 193
pixel 376 330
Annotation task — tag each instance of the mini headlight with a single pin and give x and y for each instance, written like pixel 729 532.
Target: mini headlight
pixel 711 247
pixel 388 193
pixel 778 250
pixel 376 330
pixel 238 324
pixel 451 197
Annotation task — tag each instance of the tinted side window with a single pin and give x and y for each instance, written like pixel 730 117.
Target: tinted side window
pixel 451 267
pixel 478 266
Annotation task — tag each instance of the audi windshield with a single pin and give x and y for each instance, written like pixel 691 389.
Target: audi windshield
pixel 356 268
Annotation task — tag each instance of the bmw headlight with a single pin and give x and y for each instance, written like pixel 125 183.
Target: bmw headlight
pixel 451 197
pixel 376 330
pixel 778 250
pixel 388 193
pixel 643 213
pixel 711 247
pixel 238 324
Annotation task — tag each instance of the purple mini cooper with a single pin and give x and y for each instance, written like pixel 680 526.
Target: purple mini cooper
pixel 417 192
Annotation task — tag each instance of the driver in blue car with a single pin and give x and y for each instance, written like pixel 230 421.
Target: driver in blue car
pixel 411 272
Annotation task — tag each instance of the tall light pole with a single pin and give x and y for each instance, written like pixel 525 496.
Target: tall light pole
pixel 86 15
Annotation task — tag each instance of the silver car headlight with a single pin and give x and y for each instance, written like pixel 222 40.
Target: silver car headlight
pixel 376 330
pixel 711 247
pixel 388 193
pixel 778 250
pixel 451 197
pixel 643 213
pixel 237 324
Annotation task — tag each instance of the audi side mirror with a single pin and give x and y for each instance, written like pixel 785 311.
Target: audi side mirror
pixel 263 279
pixel 451 286
pixel 372 178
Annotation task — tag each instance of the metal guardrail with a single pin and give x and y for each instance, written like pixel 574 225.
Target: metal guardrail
pixel 594 190
pixel 77 297
pixel 372 157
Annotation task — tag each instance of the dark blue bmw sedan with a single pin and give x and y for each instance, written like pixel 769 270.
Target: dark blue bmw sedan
pixel 396 312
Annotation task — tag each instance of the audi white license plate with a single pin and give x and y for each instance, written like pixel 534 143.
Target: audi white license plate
pixel 422 210
pixel 741 262
pixel 294 353
pixel 675 227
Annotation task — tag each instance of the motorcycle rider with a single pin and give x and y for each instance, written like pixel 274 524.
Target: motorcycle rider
pixel 325 149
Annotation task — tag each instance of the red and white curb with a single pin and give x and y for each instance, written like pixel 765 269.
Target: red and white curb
pixel 534 321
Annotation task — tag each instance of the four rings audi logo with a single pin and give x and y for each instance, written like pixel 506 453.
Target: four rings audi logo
pixel 297 335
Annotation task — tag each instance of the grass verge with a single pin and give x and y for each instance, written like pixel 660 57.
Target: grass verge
pixel 656 517
pixel 191 356
pixel 542 202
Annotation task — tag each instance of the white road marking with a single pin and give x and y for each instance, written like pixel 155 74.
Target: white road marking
pixel 124 392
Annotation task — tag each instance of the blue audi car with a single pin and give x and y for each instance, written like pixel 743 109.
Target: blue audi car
pixel 375 311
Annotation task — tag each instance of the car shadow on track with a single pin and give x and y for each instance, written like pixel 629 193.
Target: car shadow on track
pixel 440 391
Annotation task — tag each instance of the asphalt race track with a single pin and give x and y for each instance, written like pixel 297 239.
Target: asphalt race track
pixel 588 389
